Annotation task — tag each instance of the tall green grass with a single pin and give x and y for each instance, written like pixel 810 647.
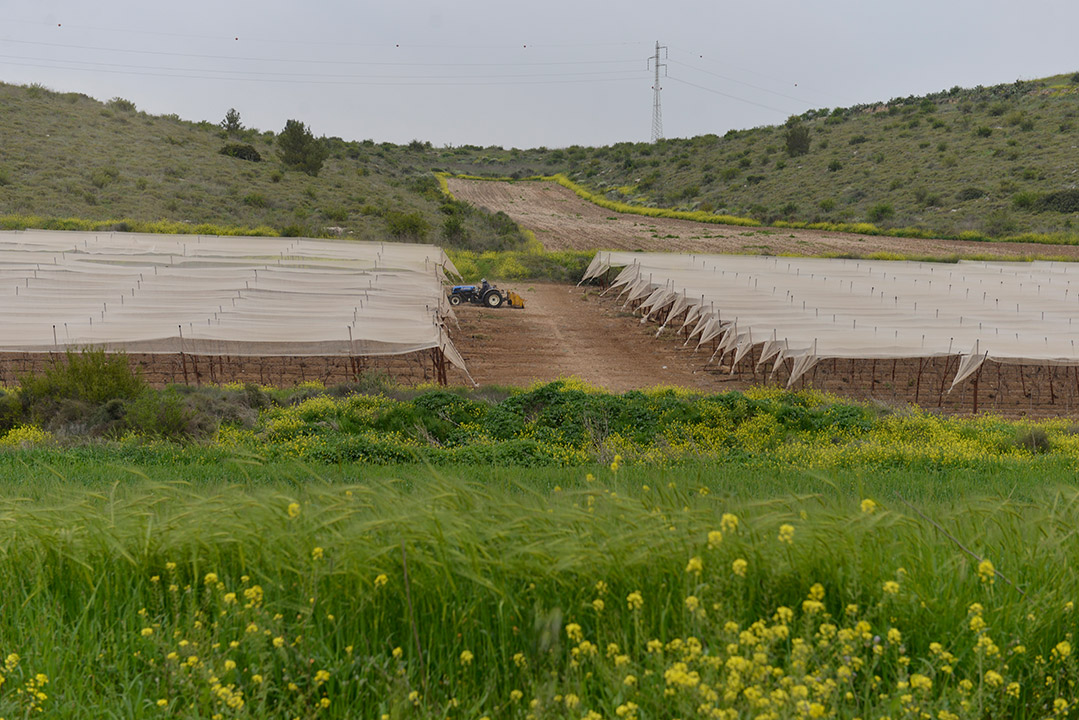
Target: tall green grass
pixel 431 595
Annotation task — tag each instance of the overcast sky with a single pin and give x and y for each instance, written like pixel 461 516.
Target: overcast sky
pixel 524 74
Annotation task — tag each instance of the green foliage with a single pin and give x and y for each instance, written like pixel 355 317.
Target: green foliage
pixel 231 124
pixel 1063 201
pixel 880 212
pixel 299 148
pixel 406 225
pixel 72 388
pixel 796 137
pixel 241 151
pixel 118 103
pixel 835 166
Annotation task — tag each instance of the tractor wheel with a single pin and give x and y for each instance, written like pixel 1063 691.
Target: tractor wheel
pixel 493 299
pixel 455 300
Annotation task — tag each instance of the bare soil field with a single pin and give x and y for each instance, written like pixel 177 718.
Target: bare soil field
pixel 563 221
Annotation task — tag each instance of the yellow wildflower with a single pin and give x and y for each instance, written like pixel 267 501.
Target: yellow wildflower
pixel 868 506
pixel 694 565
pixel 293 509
pixel 738 567
pixel 891 587
pixel 786 534
pixel 230 665
pixel 257 679
pixel 986 572
pixel 728 523
pixel 598 605
pixel 516 695
pixel 466 658
pixel 316 553
pixel 714 539
pixel 616 463
pixel 278 641
pixel 573 632
pixel 381 580
pixel 1062 650
pixel 147 631
pixel 634 600
pixel 210 579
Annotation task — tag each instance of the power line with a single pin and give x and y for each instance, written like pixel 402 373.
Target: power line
pixel 322 75
pixel 727 95
pixel 321 42
pixel 782 81
pixel 314 82
pixel 740 82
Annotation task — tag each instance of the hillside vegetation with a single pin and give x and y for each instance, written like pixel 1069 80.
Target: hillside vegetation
pixel 996 160
pixel 110 166
pixel 992 161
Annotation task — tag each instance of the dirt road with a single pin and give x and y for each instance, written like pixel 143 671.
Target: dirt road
pixel 562 221
pixel 566 331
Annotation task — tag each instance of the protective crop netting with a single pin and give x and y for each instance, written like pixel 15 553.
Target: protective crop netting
pixel 213 295
pixel 810 309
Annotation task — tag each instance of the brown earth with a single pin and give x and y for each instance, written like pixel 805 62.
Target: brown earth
pixel 563 221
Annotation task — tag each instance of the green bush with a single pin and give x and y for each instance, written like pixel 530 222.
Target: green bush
pixel 796 137
pixel 89 377
pixel 970 193
pixel 300 149
pixel 1065 201
pixel 166 415
pixel 1025 200
pixel 241 151
pixel 410 225
pixel 835 166
pixel 880 211
pixel 255 200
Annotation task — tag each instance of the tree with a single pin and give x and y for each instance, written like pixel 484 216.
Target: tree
pixel 300 149
pixel 797 137
pixel 231 124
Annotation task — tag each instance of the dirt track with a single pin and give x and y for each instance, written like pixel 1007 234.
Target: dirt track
pixel 566 331
pixel 563 221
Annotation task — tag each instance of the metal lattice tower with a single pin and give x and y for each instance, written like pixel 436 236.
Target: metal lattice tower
pixel 657 111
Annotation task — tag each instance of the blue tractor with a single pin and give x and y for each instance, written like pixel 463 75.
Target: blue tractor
pixel 484 294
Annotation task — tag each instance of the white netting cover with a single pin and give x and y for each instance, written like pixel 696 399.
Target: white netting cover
pixel 211 295
pixel 809 309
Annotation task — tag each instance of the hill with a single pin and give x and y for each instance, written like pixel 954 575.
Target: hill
pixel 66 155
pixel 992 160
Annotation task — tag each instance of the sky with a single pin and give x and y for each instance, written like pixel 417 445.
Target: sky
pixel 524 74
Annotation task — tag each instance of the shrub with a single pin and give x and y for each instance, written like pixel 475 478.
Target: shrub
pixel 835 166
pixel 827 204
pixel 796 137
pixel 337 214
pixel 983 131
pixel 255 200
pixel 880 211
pixel 5 179
pixel 1065 201
pixel 300 149
pixel 406 224
pixel 294 231
pixel 970 193
pixel 166 415
pixel 1025 200
pixel 91 377
pixel 241 151
pixel 118 103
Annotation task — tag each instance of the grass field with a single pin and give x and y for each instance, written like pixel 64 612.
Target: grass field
pixel 262 572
